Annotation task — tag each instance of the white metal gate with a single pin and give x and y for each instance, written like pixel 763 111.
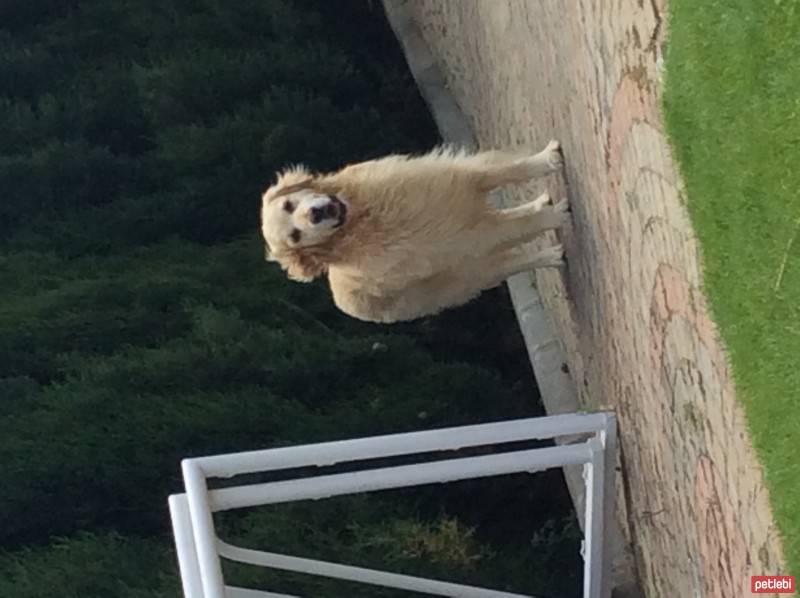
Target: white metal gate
pixel 199 550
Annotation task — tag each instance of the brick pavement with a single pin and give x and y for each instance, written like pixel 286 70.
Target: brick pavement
pixel 630 309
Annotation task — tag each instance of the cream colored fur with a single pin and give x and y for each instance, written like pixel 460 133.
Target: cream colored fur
pixel 420 235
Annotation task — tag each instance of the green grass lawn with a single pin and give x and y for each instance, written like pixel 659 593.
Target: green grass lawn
pixel 732 106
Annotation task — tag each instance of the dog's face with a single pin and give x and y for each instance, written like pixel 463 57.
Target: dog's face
pixel 296 222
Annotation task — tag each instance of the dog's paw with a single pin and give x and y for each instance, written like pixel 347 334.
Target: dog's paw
pixel 554 216
pixel 551 257
pixel 555 157
pixel 553 146
pixel 541 202
pixel 546 161
pixel 562 206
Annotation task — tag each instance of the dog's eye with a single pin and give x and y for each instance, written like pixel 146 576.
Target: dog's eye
pixel 288 206
pixel 295 236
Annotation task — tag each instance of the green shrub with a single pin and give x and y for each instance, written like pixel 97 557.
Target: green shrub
pixel 139 324
pixel 120 108
pixel 88 566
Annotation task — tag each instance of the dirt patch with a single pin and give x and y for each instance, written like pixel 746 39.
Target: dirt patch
pixel 630 309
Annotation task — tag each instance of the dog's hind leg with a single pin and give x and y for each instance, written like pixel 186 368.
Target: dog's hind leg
pixel 419 298
pixel 450 289
pixel 456 287
pixel 541 203
pixel 495 268
pixel 428 296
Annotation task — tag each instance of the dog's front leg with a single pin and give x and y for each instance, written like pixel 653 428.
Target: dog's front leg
pixel 501 169
pixel 515 226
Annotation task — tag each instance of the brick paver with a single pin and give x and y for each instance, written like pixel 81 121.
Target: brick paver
pixel 630 308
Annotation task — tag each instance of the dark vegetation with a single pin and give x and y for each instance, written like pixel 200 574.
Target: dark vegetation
pixel 139 324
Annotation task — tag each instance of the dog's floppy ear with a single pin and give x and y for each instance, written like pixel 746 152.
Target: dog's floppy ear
pixel 285 186
pixel 304 266
pixel 268 257
pixel 289 189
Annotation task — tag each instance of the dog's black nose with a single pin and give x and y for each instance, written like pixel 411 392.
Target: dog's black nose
pixel 317 214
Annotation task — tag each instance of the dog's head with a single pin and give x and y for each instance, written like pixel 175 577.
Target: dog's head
pixel 299 222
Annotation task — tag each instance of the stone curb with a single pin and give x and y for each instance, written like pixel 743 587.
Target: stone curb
pixel 544 348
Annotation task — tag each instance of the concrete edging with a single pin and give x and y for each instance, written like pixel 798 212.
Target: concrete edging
pixel 544 348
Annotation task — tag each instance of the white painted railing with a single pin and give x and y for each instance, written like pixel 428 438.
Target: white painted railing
pixel 199 550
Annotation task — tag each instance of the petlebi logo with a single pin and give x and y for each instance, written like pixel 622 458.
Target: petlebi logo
pixel 772 584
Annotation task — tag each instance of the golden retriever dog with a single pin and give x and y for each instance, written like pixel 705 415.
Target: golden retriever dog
pixel 404 237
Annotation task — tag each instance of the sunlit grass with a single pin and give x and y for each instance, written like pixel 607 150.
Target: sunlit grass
pixel 732 106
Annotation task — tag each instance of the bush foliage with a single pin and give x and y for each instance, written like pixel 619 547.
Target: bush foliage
pixel 140 325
